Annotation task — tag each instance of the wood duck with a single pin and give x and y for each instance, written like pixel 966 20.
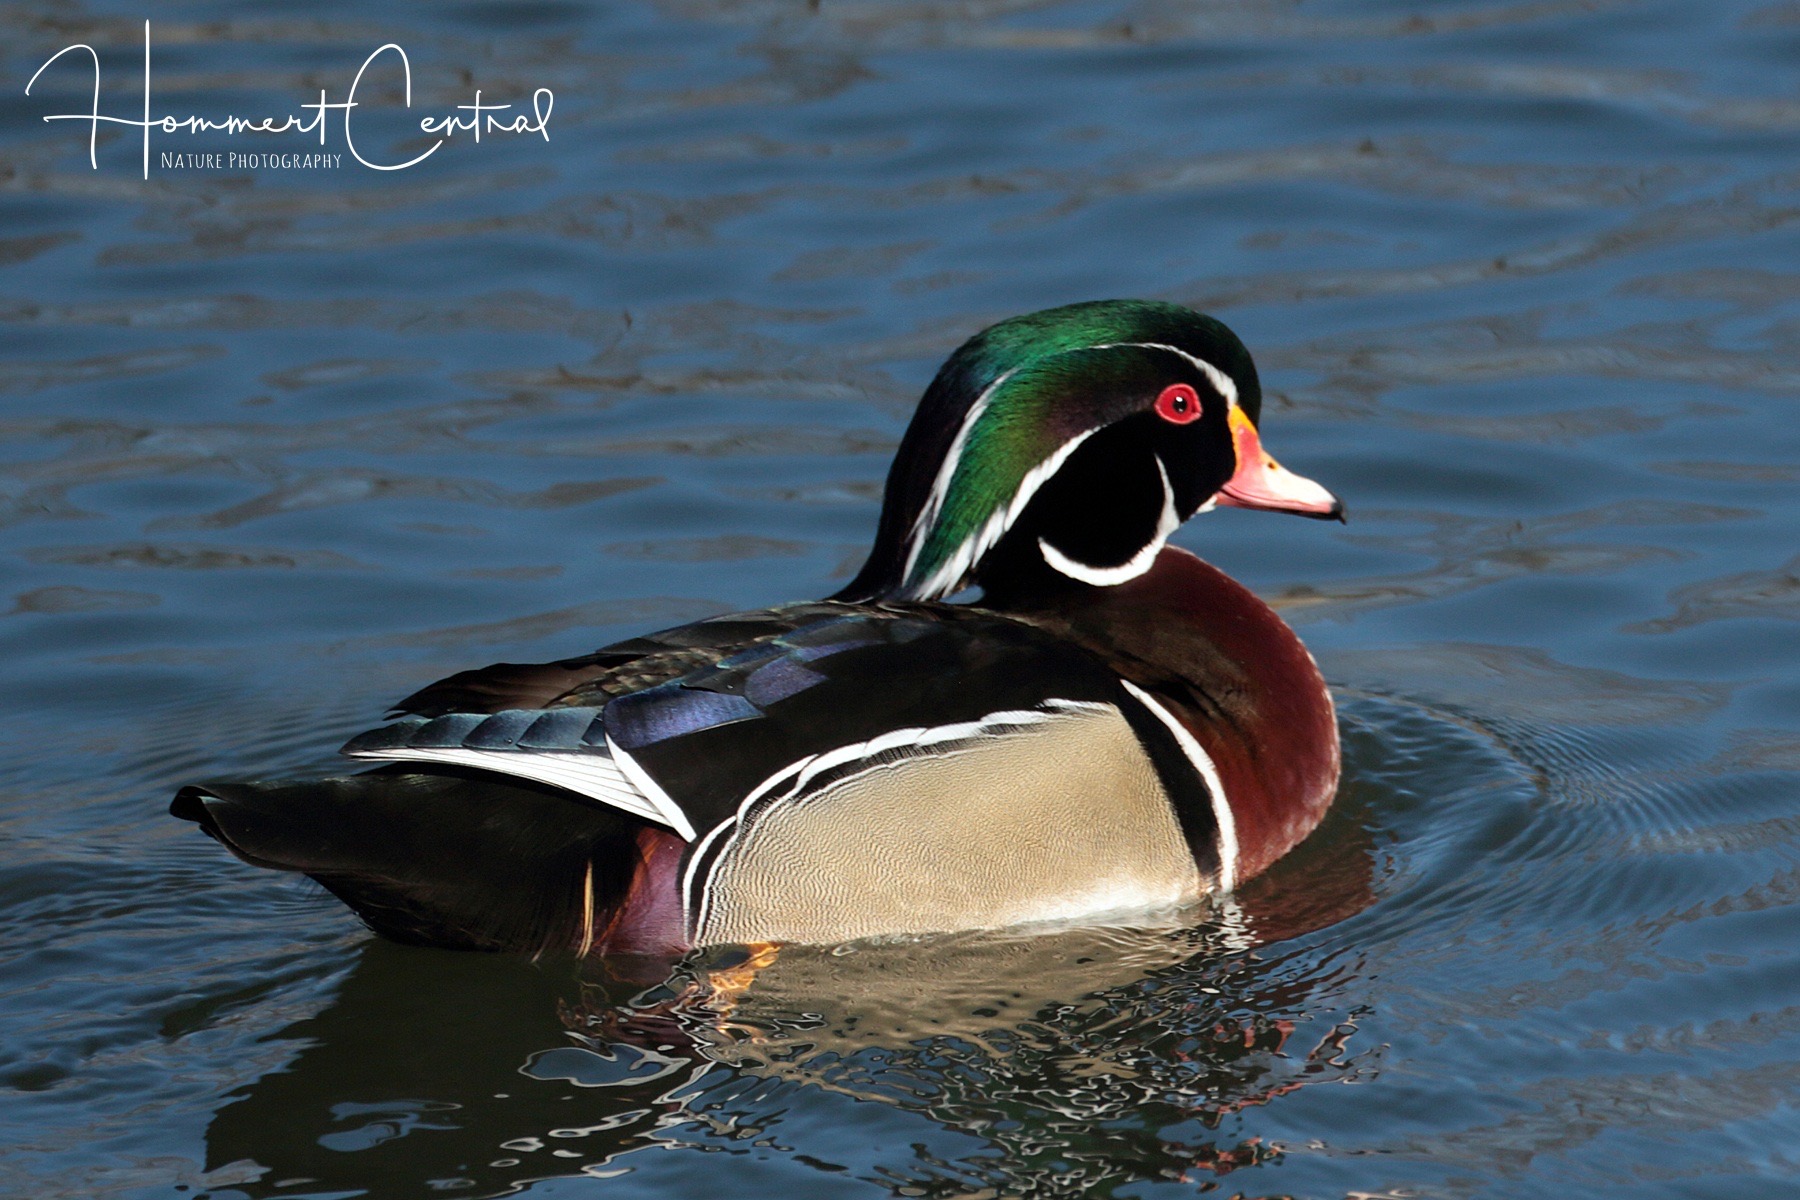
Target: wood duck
pixel 1112 727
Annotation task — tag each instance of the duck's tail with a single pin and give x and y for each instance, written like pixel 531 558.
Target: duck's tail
pixel 447 857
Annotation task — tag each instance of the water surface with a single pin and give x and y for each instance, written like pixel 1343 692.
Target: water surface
pixel 277 447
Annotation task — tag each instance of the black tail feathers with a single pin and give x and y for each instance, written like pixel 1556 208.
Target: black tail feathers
pixel 440 857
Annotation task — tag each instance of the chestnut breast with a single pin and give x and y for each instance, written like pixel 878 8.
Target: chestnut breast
pixel 1234 674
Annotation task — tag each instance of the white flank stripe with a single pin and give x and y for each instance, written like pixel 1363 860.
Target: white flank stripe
pixel 1203 763
pixel 695 913
pixel 1132 567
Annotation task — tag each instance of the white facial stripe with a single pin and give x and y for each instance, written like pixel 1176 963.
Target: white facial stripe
pixel 1039 475
pixel 1221 382
pixel 949 577
pixel 1131 568
pixel 940 487
pixel 1097 576
pixel 1203 763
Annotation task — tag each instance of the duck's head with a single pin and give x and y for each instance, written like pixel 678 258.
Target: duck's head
pixel 1073 441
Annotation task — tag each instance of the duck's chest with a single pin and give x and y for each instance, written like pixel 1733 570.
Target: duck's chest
pixel 1237 688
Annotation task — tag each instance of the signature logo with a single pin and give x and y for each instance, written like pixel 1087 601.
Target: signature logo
pixel 481 118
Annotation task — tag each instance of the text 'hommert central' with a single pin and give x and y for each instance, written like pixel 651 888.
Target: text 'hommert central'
pixel 480 118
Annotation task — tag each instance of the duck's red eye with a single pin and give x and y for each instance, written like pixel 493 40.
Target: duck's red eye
pixel 1178 404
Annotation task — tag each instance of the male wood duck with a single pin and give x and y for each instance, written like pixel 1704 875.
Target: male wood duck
pixel 1114 726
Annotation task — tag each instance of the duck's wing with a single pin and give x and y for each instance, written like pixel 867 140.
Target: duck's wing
pixel 542 721
pixel 734 704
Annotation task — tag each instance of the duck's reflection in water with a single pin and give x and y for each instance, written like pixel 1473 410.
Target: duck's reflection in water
pixel 1016 1062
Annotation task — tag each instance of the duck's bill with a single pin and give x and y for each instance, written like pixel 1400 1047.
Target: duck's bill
pixel 1261 482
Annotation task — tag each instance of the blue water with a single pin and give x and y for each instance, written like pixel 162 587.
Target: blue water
pixel 277 447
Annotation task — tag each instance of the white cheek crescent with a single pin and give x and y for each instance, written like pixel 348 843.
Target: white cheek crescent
pixel 1132 567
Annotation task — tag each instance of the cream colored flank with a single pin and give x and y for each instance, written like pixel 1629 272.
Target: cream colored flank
pixel 1060 819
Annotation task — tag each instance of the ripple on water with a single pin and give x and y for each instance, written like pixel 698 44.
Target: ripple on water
pixel 1564 780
